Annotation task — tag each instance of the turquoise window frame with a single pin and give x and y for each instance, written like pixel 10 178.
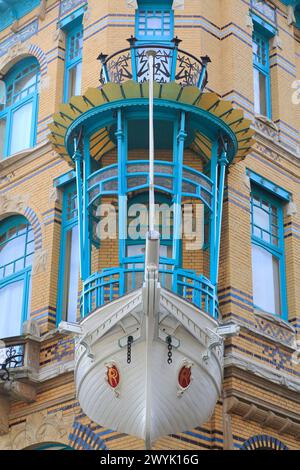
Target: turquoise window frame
pixel 276 250
pixel 67 224
pixel 161 198
pixel 23 274
pixel 72 28
pixel 147 7
pixel 263 66
pixel 7 112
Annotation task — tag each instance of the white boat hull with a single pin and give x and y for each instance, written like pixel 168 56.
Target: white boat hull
pixel 156 388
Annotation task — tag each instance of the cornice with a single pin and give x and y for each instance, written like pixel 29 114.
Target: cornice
pixel 266 414
pixel 269 375
pixel 19 160
pixel 279 151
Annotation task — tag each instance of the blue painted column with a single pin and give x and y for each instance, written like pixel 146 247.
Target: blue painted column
pixel 178 154
pixel 213 215
pixel 222 164
pixel 78 162
pixel 86 272
pixel 121 135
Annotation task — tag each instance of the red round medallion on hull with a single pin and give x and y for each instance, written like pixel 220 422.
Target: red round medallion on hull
pixel 113 376
pixel 184 377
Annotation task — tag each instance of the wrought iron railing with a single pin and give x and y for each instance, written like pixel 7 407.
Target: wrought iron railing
pixel 11 357
pixel 110 284
pixel 170 64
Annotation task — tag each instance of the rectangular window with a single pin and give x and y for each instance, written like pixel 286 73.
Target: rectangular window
pixel 154 22
pixel 268 265
pixel 2 137
pixel 69 258
pixel 21 128
pixel 261 64
pixel 11 300
pixel 74 40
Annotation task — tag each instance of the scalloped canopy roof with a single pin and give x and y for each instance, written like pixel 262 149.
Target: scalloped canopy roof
pixel 210 103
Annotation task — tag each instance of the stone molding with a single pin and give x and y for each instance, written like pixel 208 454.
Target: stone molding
pixel 258 370
pixel 250 408
pixel 38 428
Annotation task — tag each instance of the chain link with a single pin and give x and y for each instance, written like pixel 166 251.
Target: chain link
pixel 169 341
pixel 129 343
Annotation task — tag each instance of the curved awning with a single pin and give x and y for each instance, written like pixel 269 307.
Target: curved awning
pixel 217 112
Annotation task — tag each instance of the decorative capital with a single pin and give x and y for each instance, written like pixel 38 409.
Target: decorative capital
pixel 132 40
pixel 102 57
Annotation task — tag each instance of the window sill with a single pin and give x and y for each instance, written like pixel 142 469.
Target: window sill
pixel 274 319
pixel 33 152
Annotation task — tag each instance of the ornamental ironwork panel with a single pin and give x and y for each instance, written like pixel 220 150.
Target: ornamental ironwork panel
pixel 170 64
pixel 188 70
pixel 162 65
pixel 11 357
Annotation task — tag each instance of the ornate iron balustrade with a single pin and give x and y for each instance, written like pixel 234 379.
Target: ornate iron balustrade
pixel 11 357
pixel 104 287
pixel 170 64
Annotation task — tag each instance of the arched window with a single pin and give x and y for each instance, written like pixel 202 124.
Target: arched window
pixel 263 442
pixel 16 253
pixel 18 113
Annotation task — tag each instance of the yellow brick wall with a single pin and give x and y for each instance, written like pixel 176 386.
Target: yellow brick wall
pixel 219 28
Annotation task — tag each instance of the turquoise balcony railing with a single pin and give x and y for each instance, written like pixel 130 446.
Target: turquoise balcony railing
pixel 110 284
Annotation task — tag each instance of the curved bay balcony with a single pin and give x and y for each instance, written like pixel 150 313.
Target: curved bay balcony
pixel 194 183
pixel 171 64
pixel 104 134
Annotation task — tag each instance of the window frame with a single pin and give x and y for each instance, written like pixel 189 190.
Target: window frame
pixel 276 251
pixel 164 6
pixel 263 69
pixel 24 274
pixel 161 198
pixel 71 29
pixel 67 225
pixel 8 112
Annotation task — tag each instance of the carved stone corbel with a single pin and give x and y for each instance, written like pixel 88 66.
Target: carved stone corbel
pixel 4 412
pixel 40 261
pixel 42 12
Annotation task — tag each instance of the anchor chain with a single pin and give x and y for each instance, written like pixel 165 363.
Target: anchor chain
pixel 129 343
pixel 170 347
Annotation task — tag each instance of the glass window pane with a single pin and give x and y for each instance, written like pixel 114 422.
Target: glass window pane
pixel 72 271
pixel 12 250
pixel 21 128
pixel 74 86
pixel 2 136
pixel 266 280
pixel 263 94
pixel 261 218
pixel 256 92
pixel 11 300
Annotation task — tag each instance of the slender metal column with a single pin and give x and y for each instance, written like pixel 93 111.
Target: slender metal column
pixel 78 160
pixel 86 271
pixel 178 166
pixel 222 163
pixel 121 135
pixel 213 215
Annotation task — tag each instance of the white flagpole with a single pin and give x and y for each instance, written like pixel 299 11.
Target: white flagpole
pixel 151 55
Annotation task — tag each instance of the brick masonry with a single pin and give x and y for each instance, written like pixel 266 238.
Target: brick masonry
pixel 263 344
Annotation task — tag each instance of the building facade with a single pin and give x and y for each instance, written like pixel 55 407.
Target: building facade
pixel 50 95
